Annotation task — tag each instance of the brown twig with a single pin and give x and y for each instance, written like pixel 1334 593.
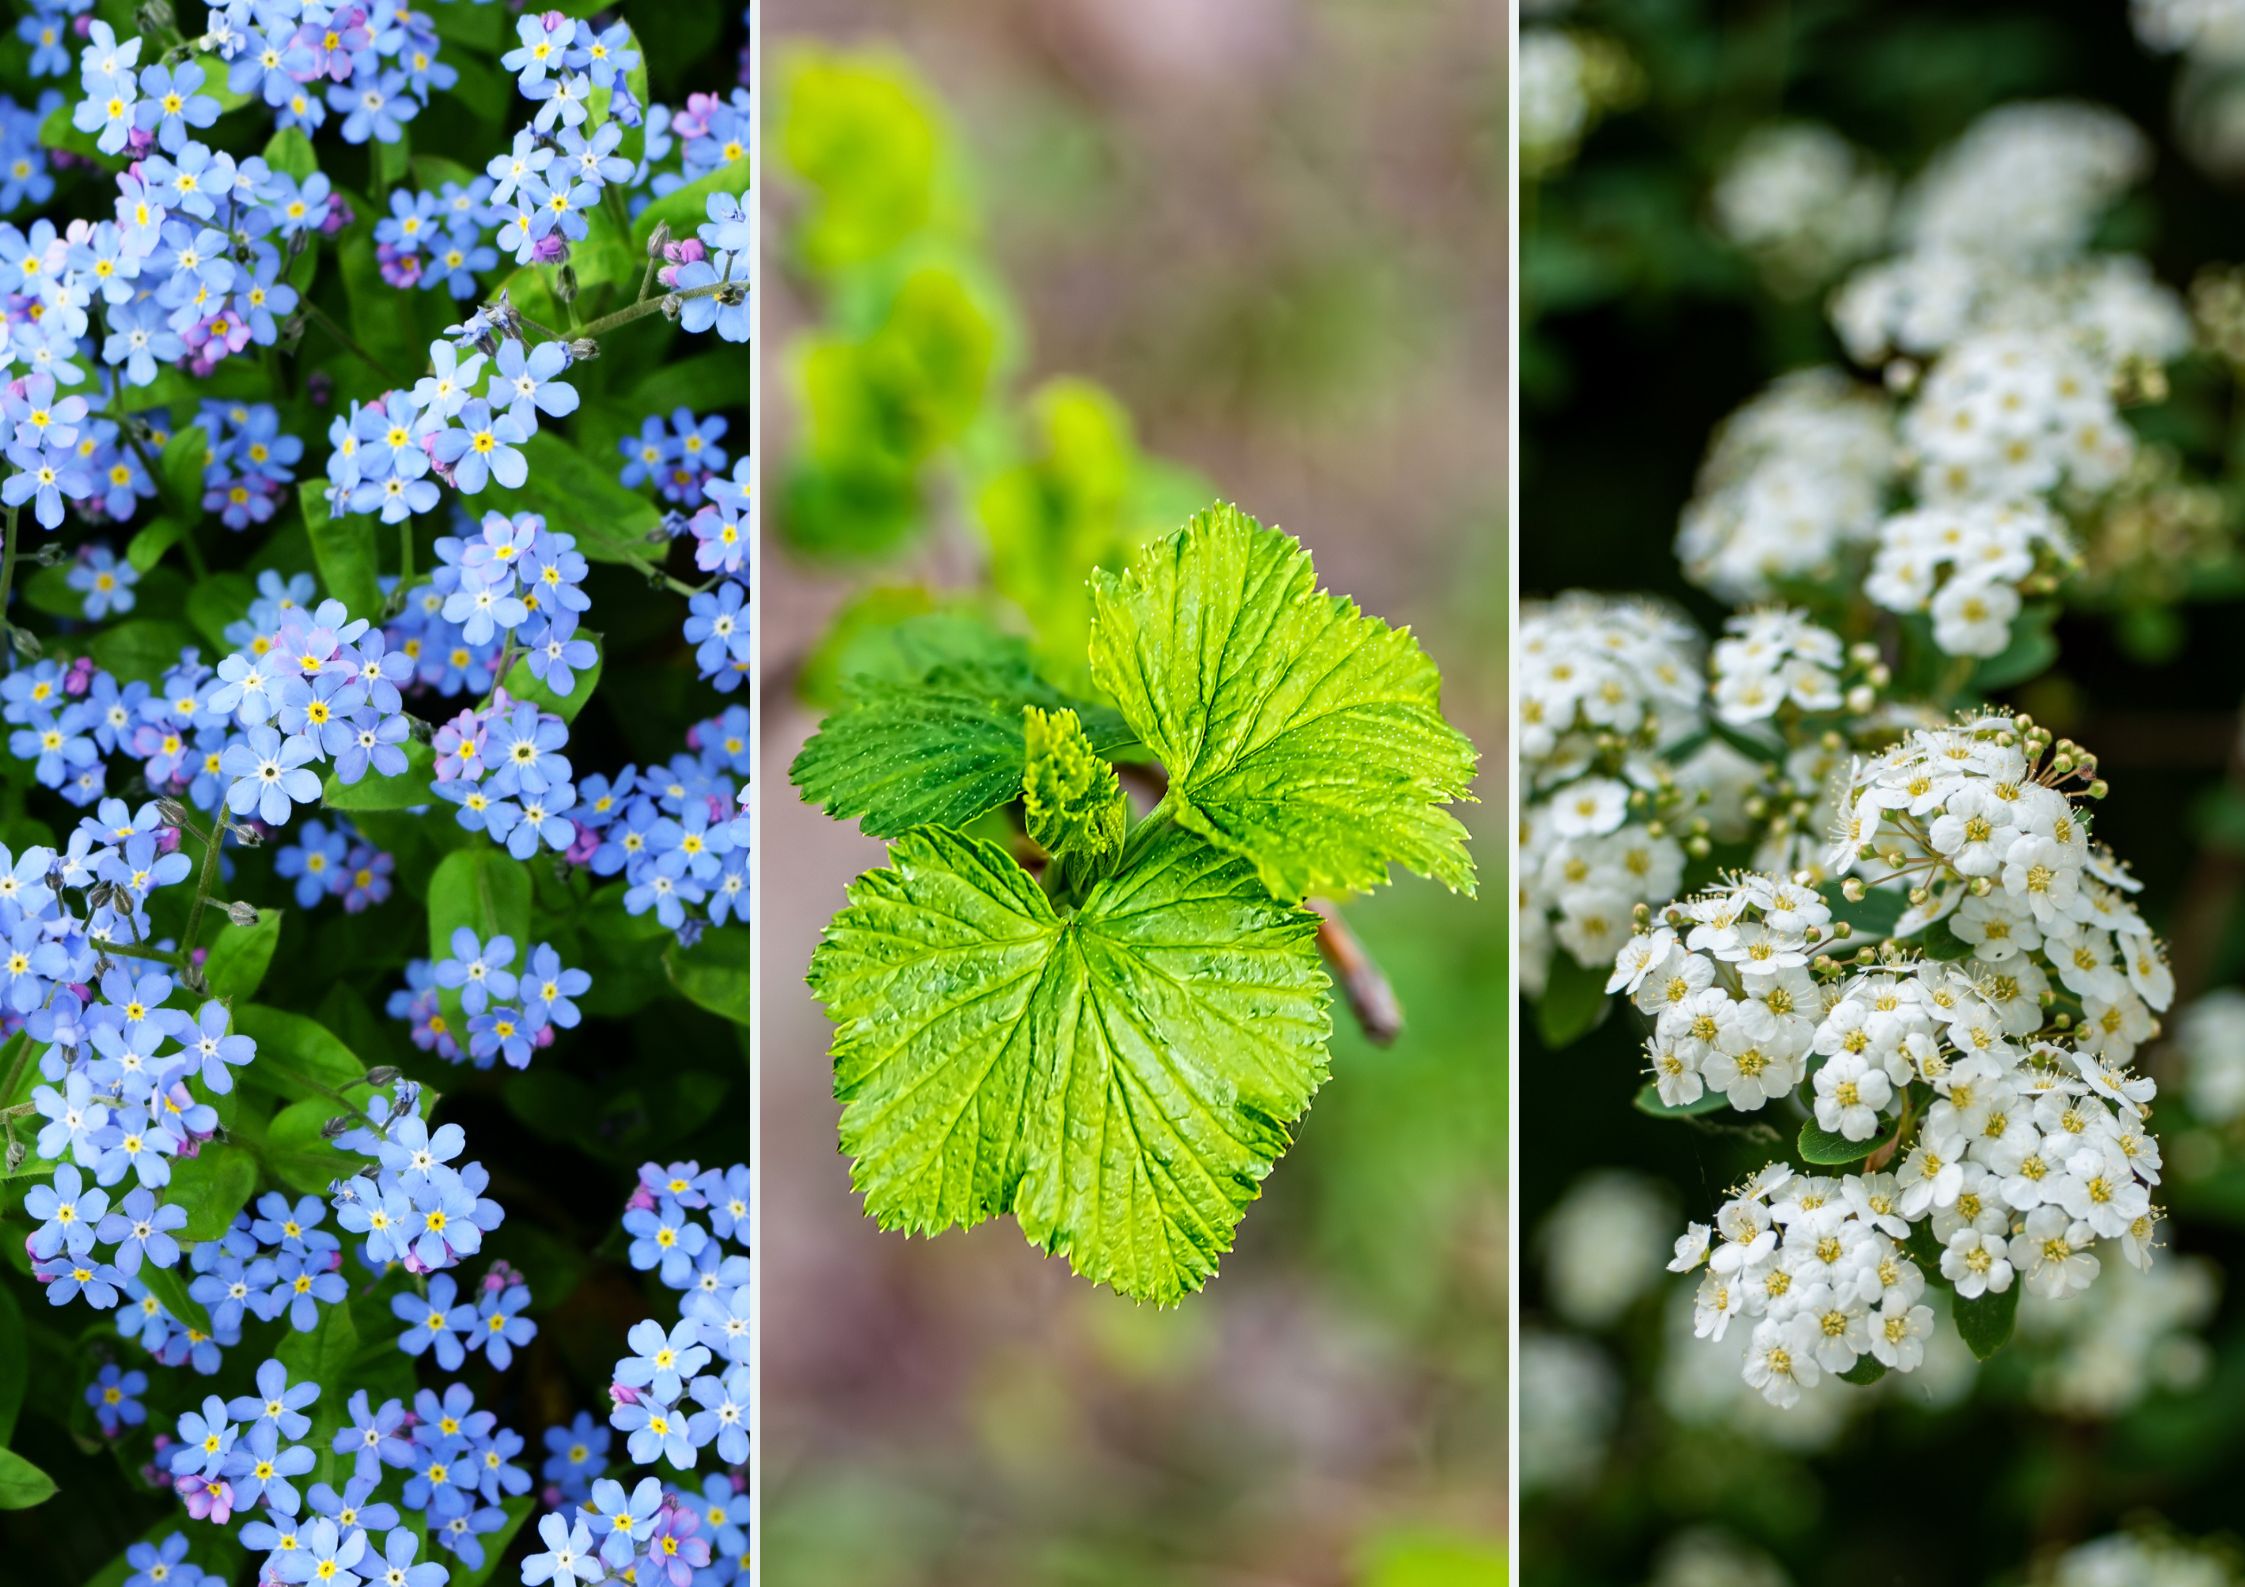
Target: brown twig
pixel 1371 998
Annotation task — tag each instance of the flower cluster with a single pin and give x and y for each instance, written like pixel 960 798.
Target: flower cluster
pixel 334 862
pixel 1802 202
pixel 677 832
pixel 1777 660
pixel 678 457
pixel 408 1201
pixel 2210 1037
pixel 510 1015
pixel 1603 685
pixel 1965 565
pixel 684 1388
pixel 1981 823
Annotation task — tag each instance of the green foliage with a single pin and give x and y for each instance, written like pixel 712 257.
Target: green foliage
pixel 238 960
pixel 1985 1323
pixel 22 1484
pixel 1120 1079
pixel 1296 731
pixel 1116 1056
pixel 1821 1146
pixel 868 143
pixel 1072 802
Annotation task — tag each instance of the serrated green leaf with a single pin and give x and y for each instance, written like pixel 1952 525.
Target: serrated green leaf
pixel 898 633
pixel 714 972
pixel 344 551
pixel 296 1056
pixel 939 751
pixel 1985 1323
pixel 1071 799
pixel 22 1484
pixel 410 789
pixel 1296 731
pixel 1120 1079
pixel 236 964
pixel 212 1186
pixel 1821 1146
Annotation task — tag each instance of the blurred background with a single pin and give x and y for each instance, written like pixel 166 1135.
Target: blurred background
pixel 1274 233
pixel 1646 320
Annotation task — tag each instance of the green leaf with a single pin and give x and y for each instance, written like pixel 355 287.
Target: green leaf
pixel 1985 1324
pixel 1648 1100
pixel 1866 1371
pixel 583 496
pixel 290 152
pixel 213 1185
pixel 181 467
pixel 524 684
pixel 408 790
pixel 169 1286
pixel 151 541
pixel 688 207
pixel 322 1356
pixel 938 751
pixel 1071 798
pixel 296 1056
pixel 236 965
pixel 344 550
pixel 141 649
pixel 22 1484
pixel 714 972
pixel 1821 1146
pixel 216 603
pixel 1573 1003
pixel 899 633
pixel 1120 1079
pixel 1939 940
pixel 297 1151
pixel 1296 731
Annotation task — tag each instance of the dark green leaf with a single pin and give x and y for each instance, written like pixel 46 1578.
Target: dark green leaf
pixel 297 1151
pixel 2033 648
pixel 151 541
pixel 1573 1002
pixel 1985 1324
pixel 1866 1371
pixel 181 467
pixel 1819 1145
pixel 141 648
pixel 1648 1100
pixel 714 972
pixel 216 603
pixel 13 1348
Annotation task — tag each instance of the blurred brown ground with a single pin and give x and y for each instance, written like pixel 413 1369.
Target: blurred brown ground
pixel 1276 229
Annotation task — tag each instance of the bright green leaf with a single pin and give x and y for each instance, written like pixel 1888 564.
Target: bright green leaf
pixel 297 1151
pixel 296 1056
pixel 344 550
pixel 939 751
pixel 181 467
pixel 213 1185
pixel 1295 730
pixel 1072 801
pixel 1120 1079
pixel 523 684
pixel 488 892
pixel 22 1484
pixel 151 541
pixel 238 960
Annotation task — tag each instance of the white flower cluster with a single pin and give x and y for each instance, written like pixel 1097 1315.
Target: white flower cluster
pixel 1603 684
pixel 2009 415
pixel 2210 1036
pixel 2148 1560
pixel 2027 182
pixel 1793 481
pixel 1602 1245
pixel 1776 658
pixel 1803 202
pixel 1965 564
pixel 1978 820
pixel 1564 79
pixel 2207 30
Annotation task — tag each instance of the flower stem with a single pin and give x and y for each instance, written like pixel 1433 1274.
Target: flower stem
pixel 320 317
pixel 203 884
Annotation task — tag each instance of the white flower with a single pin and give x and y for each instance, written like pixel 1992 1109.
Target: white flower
pixel 1977 1263
pixel 1590 808
pixel 1898 1332
pixel 1691 1248
pixel 1781 1361
pixel 1850 1094
pixel 2053 1251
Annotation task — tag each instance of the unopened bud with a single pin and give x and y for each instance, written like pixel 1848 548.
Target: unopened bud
pixel 565 283
pixel 583 350
pixel 339 1125
pixel 659 241
pixel 172 812
pixel 242 914
pixel 381 1075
